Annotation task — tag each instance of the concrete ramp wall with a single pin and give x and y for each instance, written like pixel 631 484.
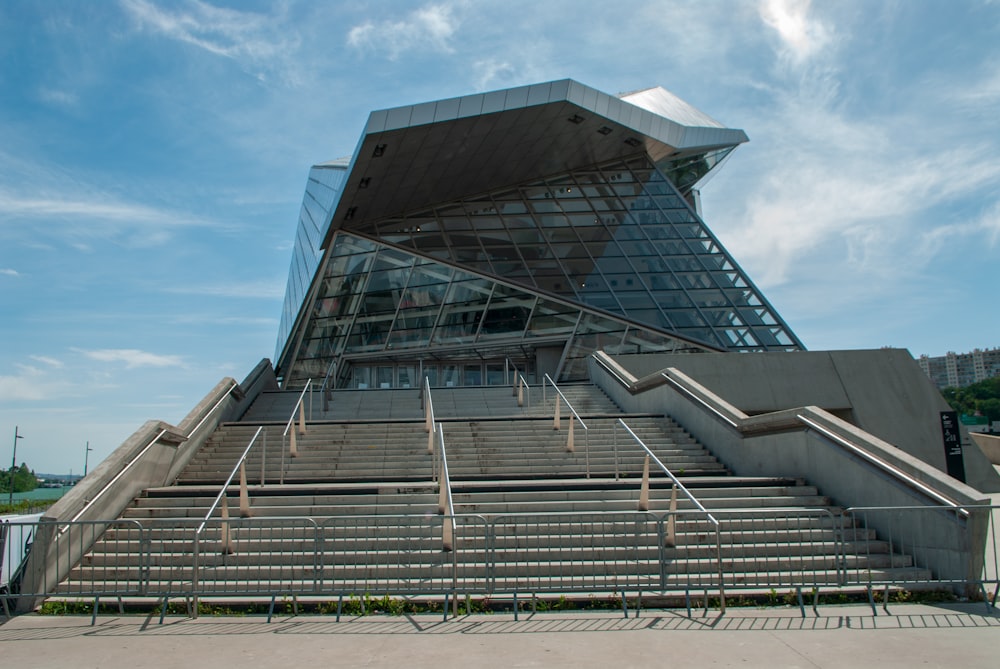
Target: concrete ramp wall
pixel 883 392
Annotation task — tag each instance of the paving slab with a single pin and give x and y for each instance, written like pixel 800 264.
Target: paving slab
pixel 850 636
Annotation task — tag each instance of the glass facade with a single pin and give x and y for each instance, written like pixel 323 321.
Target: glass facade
pixel 322 192
pixel 402 270
pixel 609 257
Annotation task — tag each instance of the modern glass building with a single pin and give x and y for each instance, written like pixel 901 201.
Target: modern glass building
pixel 526 227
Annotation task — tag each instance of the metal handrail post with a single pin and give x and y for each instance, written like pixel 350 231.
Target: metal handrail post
pixel 194 572
pixel 614 447
pixel 263 461
pixel 527 389
pixel 722 581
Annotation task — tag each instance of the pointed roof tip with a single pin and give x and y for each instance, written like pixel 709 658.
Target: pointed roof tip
pixel 660 101
pixel 336 162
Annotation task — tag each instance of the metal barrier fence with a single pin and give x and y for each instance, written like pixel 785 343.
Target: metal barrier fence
pixel 506 554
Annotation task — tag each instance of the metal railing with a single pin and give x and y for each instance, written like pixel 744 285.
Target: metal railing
pixel 326 389
pixel 429 424
pixel 446 505
pixel 225 538
pixel 670 537
pixel 519 387
pixel 557 420
pixel 901 556
pixel 809 421
pixel 768 550
pixel 288 438
pixel 934 496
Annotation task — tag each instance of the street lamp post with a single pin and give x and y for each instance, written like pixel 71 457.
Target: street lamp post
pixel 86 458
pixel 13 465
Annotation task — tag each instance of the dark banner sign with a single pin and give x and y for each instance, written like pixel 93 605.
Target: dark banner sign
pixel 952 445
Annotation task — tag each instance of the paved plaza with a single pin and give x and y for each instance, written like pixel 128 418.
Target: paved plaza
pixel 955 635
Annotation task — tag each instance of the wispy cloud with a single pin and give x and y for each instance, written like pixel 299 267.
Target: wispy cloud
pixel 263 44
pixel 30 384
pixel 13 205
pixel 429 27
pixel 7 271
pixel 267 290
pixel 58 98
pixel 132 357
pixel 801 35
pixel 490 72
pixel 45 360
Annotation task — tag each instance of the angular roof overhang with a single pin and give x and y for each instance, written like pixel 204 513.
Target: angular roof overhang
pixel 411 157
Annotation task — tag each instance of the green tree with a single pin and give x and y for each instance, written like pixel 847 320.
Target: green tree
pixel 23 478
pixel 982 396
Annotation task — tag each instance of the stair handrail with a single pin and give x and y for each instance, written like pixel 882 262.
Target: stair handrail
pixel 522 390
pixel 807 419
pixel 330 371
pixel 430 425
pixel 507 362
pixel 225 486
pixel 673 504
pixel 663 467
pixel 325 388
pixel 446 505
pixel 570 447
pixel 288 436
pixel 225 539
pixel 556 388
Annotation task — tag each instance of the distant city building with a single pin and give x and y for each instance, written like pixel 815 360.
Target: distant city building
pixel 957 370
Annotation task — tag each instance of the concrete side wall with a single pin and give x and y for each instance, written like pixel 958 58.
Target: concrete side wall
pixel 777 444
pixel 153 456
pixel 884 392
pixel 989 445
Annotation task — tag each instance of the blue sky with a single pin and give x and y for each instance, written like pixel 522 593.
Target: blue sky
pixel 153 157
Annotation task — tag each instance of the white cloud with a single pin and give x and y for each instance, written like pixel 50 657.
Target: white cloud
pixel 268 290
pixel 45 360
pixel 132 357
pixel 261 43
pixel 30 384
pixel 58 98
pixel 7 271
pixel 44 207
pixel 801 36
pixel 492 73
pixel 985 229
pixel 430 27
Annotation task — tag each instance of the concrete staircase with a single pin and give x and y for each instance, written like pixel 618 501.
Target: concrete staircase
pixel 358 509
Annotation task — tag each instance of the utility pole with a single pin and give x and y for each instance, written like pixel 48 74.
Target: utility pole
pixel 13 465
pixel 86 457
